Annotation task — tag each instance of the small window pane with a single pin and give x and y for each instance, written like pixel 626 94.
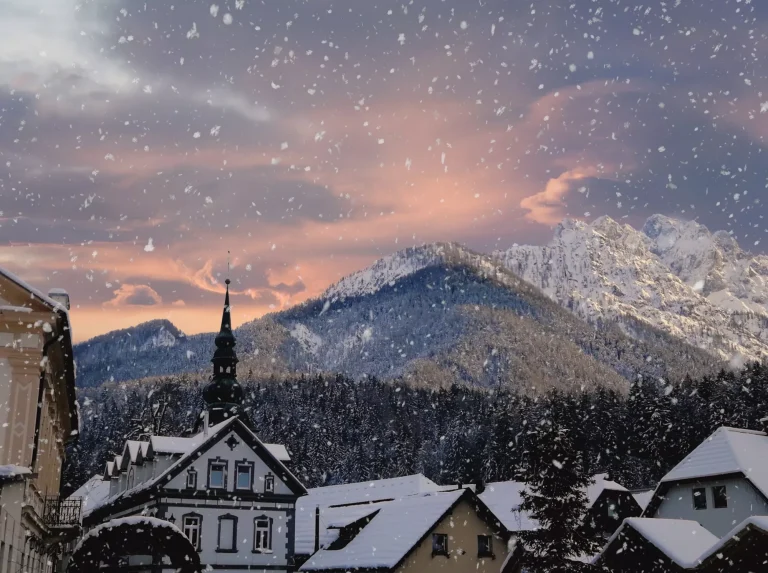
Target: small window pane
pixel 719 496
pixel 699 498
pixel 269 483
pixel 484 546
pixel 192 479
pixel 439 544
pixel 217 475
pixel 243 477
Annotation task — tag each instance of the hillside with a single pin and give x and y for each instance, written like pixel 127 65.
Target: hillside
pixel 433 315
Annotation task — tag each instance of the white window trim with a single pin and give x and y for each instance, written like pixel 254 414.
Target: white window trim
pixel 198 528
pixel 269 483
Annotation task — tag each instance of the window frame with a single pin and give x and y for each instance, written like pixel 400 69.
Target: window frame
pixel 488 552
pixel 701 497
pixel 233 519
pixel 269 483
pixel 191 473
pixel 718 496
pixel 436 549
pixel 199 518
pixel 217 462
pixel 251 469
pixel 269 531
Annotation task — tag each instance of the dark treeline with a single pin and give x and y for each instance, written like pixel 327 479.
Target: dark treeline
pixel 338 430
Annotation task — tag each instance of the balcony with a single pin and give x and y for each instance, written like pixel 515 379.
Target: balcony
pixel 62 513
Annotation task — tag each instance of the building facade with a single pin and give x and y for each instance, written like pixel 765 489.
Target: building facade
pixel 38 418
pixel 230 494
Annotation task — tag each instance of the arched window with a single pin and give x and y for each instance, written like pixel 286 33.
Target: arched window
pixel 192 526
pixel 131 478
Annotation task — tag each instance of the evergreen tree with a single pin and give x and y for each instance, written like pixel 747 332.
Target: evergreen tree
pixel 556 498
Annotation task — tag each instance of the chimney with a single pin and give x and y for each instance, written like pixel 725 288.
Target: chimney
pixel 205 423
pixel 60 296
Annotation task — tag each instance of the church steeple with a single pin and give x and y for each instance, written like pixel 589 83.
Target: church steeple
pixel 223 394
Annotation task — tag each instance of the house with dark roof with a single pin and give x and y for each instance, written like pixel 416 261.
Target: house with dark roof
pixel 230 494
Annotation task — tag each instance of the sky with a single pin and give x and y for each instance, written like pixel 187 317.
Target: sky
pixel 142 141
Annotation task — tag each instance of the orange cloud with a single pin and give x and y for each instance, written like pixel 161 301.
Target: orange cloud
pixel 546 207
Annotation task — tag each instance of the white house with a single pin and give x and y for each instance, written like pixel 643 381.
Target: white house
pixel 719 484
pixel 229 493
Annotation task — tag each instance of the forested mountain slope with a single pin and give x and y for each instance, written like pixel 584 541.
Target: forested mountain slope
pixel 436 315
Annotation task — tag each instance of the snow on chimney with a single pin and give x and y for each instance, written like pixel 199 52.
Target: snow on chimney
pixel 60 296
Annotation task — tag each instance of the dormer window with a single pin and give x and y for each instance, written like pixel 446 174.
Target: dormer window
pixel 131 478
pixel 269 483
pixel 217 474
pixel 192 479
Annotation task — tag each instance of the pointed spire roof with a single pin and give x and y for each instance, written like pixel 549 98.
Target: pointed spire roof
pixel 225 337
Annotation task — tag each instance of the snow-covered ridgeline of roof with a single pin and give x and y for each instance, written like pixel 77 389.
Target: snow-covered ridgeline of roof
pixel 174 445
pixel 355 499
pixel 756 521
pixel 504 498
pixel 92 492
pixel 12 471
pixel 727 451
pixel 682 540
pixel 390 535
pixel 29 288
pixel 643 498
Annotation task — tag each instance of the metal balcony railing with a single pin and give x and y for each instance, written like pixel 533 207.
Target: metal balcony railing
pixel 62 512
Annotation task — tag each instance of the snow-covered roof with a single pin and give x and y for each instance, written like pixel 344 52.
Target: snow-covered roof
pixel 189 445
pixel 643 498
pixel 92 492
pixel 682 540
pixel 10 472
pixel 504 498
pixel 175 445
pixel 727 451
pixel 756 521
pixel 32 290
pixel 390 535
pixel 356 498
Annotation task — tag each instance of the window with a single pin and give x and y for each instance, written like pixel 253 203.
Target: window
pixel 191 525
pixel 192 479
pixel 484 546
pixel 269 483
pixel 719 497
pixel 699 498
pixel 227 534
pixel 612 513
pixel 244 476
pixel 131 477
pixel 439 544
pixel 262 534
pixel 217 475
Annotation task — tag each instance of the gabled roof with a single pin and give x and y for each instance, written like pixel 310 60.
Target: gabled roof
pixel 727 451
pixel 504 498
pixel 351 499
pixel 203 442
pixel 92 492
pixel 398 527
pixel 681 540
pixel 175 445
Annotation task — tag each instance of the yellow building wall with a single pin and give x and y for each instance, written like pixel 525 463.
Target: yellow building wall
pixel 462 526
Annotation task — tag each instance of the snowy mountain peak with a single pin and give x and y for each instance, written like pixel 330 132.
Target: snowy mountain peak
pixel 389 269
pixel 673 275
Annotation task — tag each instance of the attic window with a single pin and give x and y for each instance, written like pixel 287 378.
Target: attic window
pixel 719 497
pixel 439 544
pixel 244 479
pixel 217 474
pixel 485 546
pixel 699 498
pixel 269 483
